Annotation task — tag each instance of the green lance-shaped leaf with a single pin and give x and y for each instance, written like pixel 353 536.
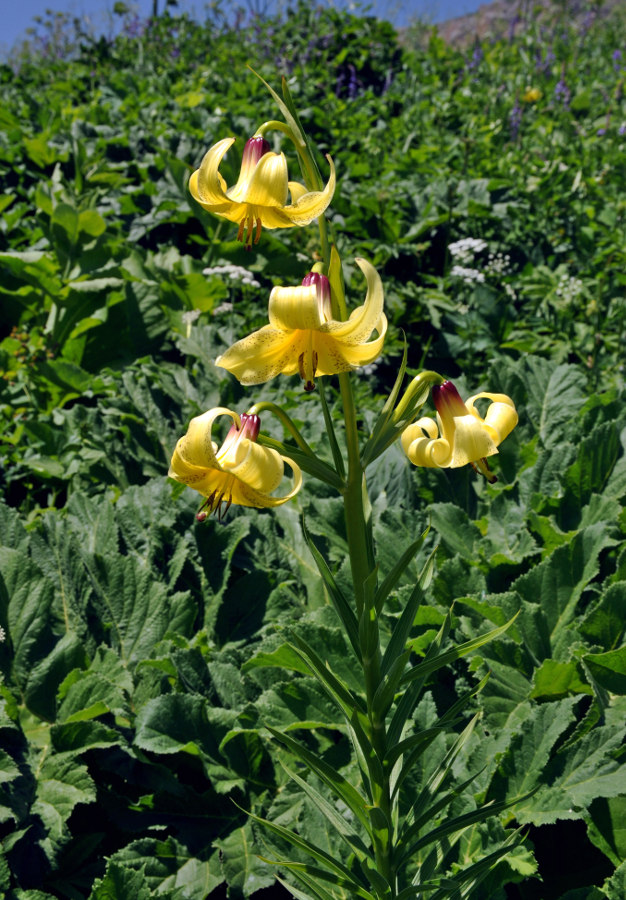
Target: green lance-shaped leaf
pixel 308 462
pixel 458 824
pixel 342 607
pixel 337 690
pixel 463 883
pixel 319 891
pixel 335 782
pixel 411 695
pixel 342 827
pixel 350 705
pixel 436 778
pixel 438 775
pixel 333 870
pixel 415 745
pixel 330 429
pixel 400 567
pixel 428 666
pixel 397 643
pixel 315 875
pixel 369 640
pixel 386 690
pixel 374 442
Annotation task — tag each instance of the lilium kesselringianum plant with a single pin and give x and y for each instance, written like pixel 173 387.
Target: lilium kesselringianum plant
pixel 460 435
pixel 259 198
pixel 241 471
pixel 302 337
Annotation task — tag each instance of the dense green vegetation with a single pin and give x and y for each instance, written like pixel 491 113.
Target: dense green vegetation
pixel 145 652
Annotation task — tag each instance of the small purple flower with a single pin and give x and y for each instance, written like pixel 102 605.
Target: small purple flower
pixel 477 58
pixel 601 131
pixel 622 130
pixel 562 93
pixel 617 57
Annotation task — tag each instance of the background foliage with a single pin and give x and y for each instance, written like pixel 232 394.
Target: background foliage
pixel 145 653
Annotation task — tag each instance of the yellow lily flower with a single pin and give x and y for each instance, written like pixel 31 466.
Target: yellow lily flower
pixel 465 436
pixel 260 195
pixel 303 337
pixel 241 471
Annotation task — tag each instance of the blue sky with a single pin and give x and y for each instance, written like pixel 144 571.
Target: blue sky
pixel 17 15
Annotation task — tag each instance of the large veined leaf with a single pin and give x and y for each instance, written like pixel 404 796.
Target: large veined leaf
pixel 553 588
pixel 62 784
pixel 136 611
pixel 555 395
pixel 241 866
pixel 169 868
pixel 576 775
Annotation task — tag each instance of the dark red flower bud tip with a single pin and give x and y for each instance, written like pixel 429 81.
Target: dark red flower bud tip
pixel 309 386
pixel 447 399
pixel 250 426
pixel 201 516
pixel 255 148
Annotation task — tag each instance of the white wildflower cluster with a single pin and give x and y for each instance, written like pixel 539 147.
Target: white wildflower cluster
pixel 235 273
pixel 509 290
pixel 464 251
pixel 224 307
pixel 569 288
pixel 469 276
pixel 190 316
pixel 498 263
pixel 3 634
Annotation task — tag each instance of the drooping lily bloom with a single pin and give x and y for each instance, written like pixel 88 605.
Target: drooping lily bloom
pixel 259 198
pixel 241 471
pixel 302 337
pixel 460 435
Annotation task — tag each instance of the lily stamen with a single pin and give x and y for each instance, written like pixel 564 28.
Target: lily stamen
pixel 480 465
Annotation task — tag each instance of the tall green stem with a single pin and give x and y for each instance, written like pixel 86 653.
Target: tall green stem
pixel 357 512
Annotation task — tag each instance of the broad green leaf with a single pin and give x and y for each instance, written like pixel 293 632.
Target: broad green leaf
pixel 174 723
pixel 120 883
pixel 555 395
pixel 62 784
pixel 608 669
pixel 168 865
pixel 605 623
pixel 553 588
pixel 299 703
pixel 284 657
pixel 457 532
pixel 553 680
pixel 606 826
pixel 136 611
pixel 586 770
pixel 243 871
pixel 615 886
